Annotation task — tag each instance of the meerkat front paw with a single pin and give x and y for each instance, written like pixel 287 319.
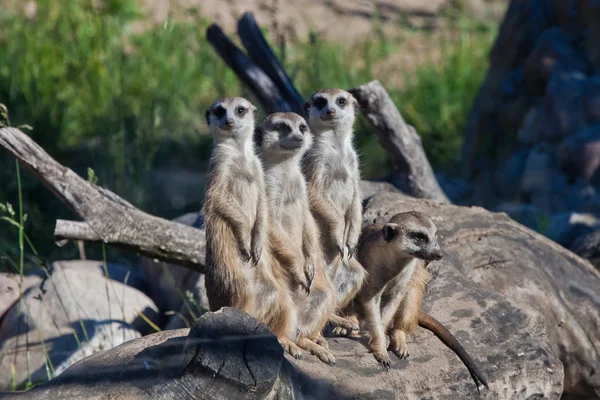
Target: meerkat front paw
pixel 245 254
pixel 383 359
pixel 401 352
pixel 340 331
pixel 309 273
pixel 257 249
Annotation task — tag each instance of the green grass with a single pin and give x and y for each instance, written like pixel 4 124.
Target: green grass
pixel 98 95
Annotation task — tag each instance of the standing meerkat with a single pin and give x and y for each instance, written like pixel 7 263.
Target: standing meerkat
pixel 241 268
pixel 396 255
pixel 333 178
pixel 282 140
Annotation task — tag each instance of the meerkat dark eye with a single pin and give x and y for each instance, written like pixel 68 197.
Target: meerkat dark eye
pixel 240 110
pixel 341 101
pixel 302 128
pixel 219 112
pixel 320 102
pixel 421 237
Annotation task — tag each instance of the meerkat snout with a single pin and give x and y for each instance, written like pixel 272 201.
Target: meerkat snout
pixel 414 235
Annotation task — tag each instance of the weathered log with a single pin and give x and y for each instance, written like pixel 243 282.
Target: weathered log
pixel 106 217
pixel 258 82
pixel 412 172
pixel 260 52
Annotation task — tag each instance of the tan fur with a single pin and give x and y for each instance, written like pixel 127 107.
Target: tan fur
pixel 391 298
pixel 241 268
pixel 291 218
pixel 333 178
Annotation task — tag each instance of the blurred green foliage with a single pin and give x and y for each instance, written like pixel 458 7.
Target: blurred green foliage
pixel 123 102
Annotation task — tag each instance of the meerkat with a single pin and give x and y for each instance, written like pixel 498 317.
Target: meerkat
pixel 282 139
pixel 242 267
pixel 333 177
pixel 395 256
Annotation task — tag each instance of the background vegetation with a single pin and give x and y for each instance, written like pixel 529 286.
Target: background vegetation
pixel 125 103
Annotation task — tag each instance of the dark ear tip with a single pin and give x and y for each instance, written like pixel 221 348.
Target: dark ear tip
pixel 207 116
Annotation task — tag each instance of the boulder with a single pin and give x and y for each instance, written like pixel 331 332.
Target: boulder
pixel 541 277
pixel 73 313
pixel 579 155
pixel 229 355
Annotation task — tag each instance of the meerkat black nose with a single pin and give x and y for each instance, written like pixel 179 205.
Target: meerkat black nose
pixel 298 139
pixel 438 256
pixel 330 112
pixel 229 122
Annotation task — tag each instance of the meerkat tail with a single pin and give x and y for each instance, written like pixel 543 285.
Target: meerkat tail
pixel 428 322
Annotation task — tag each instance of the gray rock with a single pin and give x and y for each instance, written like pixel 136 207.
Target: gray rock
pixel 72 314
pixel 564 108
pixel 553 48
pixel 526 214
pixel 579 155
pixel 369 188
pixel 539 172
pixel 565 228
pixel 540 276
pixel 11 285
pixel 509 173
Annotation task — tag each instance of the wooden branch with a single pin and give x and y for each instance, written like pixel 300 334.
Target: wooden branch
pixel 258 82
pixel 412 172
pixel 260 52
pixel 107 217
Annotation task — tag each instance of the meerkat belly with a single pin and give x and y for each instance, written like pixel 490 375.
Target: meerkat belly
pixel 247 195
pixel 340 188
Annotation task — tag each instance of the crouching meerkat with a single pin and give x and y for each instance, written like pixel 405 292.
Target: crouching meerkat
pixel 333 178
pixel 395 256
pixel 241 268
pixel 282 139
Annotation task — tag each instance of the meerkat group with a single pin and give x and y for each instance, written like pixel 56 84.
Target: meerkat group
pixel 284 237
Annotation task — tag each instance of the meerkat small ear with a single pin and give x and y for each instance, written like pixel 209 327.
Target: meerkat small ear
pixel 355 105
pixel 207 115
pixel 258 136
pixel 390 231
pixel 253 108
pixel 306 108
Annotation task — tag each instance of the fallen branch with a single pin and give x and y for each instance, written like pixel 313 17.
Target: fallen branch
pixel 106 217
pixel 412 172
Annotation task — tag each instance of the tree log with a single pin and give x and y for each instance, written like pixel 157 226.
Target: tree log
pixel 258 82
pixel 107 217
pixel 412 172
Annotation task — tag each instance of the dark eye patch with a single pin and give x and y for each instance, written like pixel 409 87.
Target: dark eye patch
pixel 284 128
pixel 341 101
pixel 320 102
pixel 420 236
pixel 219 111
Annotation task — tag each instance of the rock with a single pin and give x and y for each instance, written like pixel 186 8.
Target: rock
pixel 541 277
pixel 229 355
pixel 457 189
pixel 526 214
pixel 176 290
pixel 553 48
pixel 563 107
pixel 509 172
pixel 72 314
pixel 369 188
pixel 579 155
pixel 9 289
pixel 565 228
pixel 539 171
pixel 529 132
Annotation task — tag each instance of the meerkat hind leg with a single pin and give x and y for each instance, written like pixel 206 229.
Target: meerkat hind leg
pixel 398 344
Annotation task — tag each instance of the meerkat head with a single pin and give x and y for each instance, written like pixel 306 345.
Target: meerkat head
pixel 282 136
pixel 330 109
pixel 231 117
pixel 413 234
